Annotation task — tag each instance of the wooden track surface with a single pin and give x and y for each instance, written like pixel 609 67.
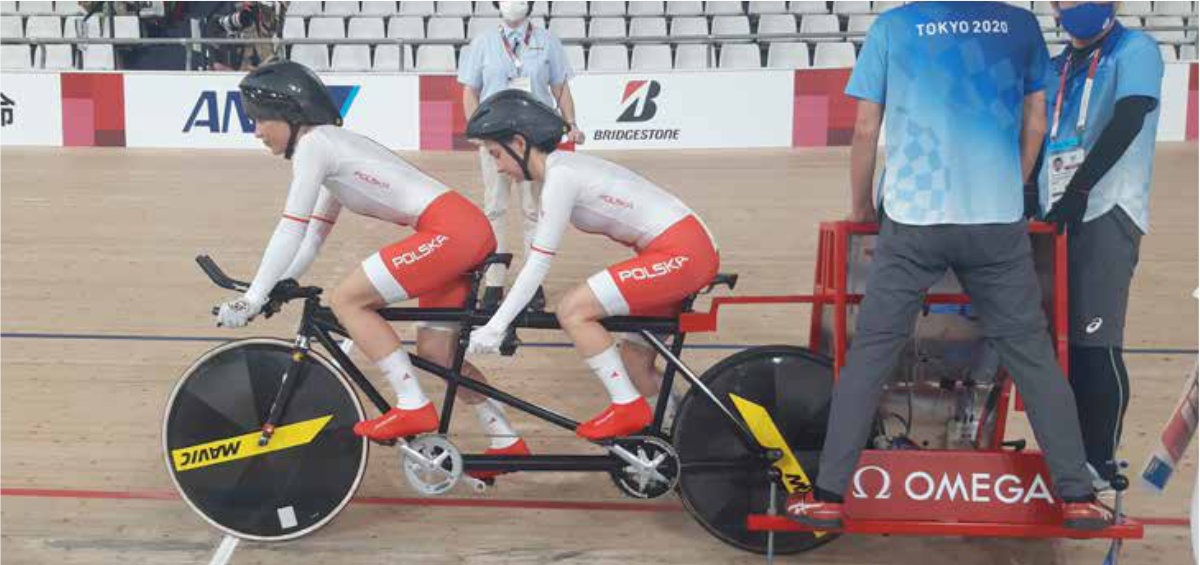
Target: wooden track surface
pixel 101 241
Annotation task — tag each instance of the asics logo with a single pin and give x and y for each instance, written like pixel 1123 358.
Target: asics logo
pixel 422 251
pixel 1094 325
pixel 656 270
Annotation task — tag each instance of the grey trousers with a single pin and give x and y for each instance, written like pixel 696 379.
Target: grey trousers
pixel 994 263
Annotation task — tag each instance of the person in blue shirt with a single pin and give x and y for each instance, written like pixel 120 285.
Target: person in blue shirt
pixel 1097 188
pixel 517 54
pixel 960 85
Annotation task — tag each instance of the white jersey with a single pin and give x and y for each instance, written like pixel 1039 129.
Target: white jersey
pixel 331 168
pixel 600 197
pixel 357 173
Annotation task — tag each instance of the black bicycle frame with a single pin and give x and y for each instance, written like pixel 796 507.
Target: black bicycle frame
pixel 319 323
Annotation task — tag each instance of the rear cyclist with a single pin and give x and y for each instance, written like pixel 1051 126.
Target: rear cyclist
pixel 676 255
pixel 331 168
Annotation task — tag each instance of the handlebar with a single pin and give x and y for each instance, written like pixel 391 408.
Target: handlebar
pixel 285 290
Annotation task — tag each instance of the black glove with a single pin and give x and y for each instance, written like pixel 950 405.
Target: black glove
pixel 1032 201
pixel 1068 211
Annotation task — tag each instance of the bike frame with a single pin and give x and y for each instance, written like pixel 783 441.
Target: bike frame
pixel 318 322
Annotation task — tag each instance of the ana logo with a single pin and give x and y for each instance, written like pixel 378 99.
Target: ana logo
pixel 7 110
pixel 213 113
pixel 640 95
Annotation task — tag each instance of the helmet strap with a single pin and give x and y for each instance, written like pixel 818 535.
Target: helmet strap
pixel 291 146
pixel 522 161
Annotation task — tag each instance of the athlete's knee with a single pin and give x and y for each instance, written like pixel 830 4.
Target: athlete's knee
pixel 349 297
pixel 573 309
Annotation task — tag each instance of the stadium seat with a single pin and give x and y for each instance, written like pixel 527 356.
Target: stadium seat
pixel 1172 8
pixel 55 57
pixel 639 8
pixel 1136 8
pixel 776 23
pixel 608 58
pixel 11 26
pixel 575 57
pixel 1152 21
pixel 1048 24
pixel 540 8
pixel 376 8
pixel 834 55
pixel 459 9
pixel 606 27
pixel 568 28
pixel 860 24
pixel 1169 54
pixel 8 6
pixel 568 9
pixel 651 58
pixel 99 58
pixel 788 55
pixel 387 58
pixel 731 25
pixel 36 7
pixel 43 26
pixel 481 24
pixel 435 58
pixel 313 56
pixel 692 56
pixel 689 25
pixel 341 8
pixel 366 28
pixel 684 8
pixel 647 27
pixel 293 27
pixel 326 28
pixel 351 57
pixel 16 56
pixel 807 7
pixel 847 8
pixel 416 8
pixel 444 28
pixel 723 8
pixel 1022 5
pixel 486 9
pixel 1130 21
pixel 303 8
pixel 768 7
pixel 820 24
pixel 606 8
pixel 741 56
pixel 127 26
pixel 1043 9
pixel 881 7
pixel 406 27
pixel 1187 52
pixel 68 8
pixel 90 27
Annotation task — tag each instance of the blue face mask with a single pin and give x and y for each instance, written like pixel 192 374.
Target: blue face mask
pixel 1087 20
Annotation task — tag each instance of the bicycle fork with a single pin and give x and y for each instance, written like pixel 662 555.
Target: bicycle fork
pixel 286 387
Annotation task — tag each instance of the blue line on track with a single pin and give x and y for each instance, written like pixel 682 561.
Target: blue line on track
pixel 535 344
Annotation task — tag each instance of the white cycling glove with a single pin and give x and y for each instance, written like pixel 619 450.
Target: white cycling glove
pixel 237 313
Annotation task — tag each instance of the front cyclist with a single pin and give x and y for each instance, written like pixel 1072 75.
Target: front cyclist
pixel 676 255
pixel 331 168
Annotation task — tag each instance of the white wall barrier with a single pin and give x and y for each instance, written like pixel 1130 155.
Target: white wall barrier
pixel 31 111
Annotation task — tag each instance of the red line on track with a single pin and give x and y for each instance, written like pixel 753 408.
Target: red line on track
pixel 440 502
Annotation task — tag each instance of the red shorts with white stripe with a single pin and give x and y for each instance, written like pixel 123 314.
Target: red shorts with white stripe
pixel 679 262
pixel 434 264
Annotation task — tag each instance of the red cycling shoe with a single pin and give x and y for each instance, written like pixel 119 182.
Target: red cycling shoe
pixel 617 420
pixel 397 423
pixel 1086 516
pixel 518 448
pixel 806 509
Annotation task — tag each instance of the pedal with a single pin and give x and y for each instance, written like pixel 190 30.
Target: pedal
pixel 480 486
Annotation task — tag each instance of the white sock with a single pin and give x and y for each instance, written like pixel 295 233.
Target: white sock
pixel 495 424
pixel 403 377
pixel 611 371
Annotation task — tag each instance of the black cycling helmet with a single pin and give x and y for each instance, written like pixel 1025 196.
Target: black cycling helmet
pixel 289 92
pixel 515 112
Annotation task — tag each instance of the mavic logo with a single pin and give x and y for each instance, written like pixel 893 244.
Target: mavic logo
pixel 246 445
pixel 640 95
pixel 216 111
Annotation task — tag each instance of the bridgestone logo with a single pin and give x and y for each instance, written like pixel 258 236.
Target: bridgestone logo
pixel 636 134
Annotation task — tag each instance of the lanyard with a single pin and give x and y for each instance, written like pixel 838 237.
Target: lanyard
pixel 1081 122
pixel 509 48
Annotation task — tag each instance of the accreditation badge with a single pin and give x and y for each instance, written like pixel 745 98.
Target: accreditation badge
pixel 1062 160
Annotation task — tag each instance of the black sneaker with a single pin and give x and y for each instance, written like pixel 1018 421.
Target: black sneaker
pixel 492 296
pixel 538 302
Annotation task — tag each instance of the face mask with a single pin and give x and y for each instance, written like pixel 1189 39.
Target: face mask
pixel 1087 20
pixel 513 12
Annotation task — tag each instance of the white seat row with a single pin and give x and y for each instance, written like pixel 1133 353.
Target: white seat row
pixel 606 8
pixel 56 57
pixel 64 8
pixel 56 26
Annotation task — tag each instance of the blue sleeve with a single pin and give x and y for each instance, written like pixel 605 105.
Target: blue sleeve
pixel 560 68
pixel 868 80
pixel 1039 57
pixel 470 70
pixel 1140 70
